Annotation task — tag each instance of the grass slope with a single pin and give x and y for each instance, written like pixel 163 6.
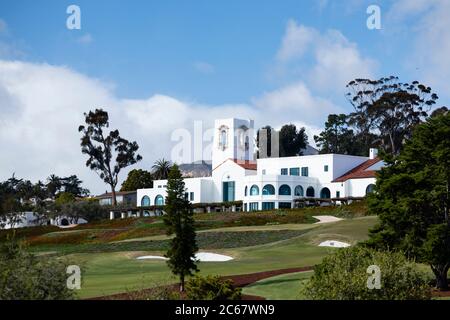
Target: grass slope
pixel 282 287
pixel 108 273
pixel 205 240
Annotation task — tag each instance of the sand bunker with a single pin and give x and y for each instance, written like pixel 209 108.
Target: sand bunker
pixel 334 244
pixel 151 258
pixel 207 256
pixel 326 219
pixel 201 256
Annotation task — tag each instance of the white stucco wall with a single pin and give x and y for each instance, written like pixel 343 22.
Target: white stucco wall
pixel 337 165
pixel 200 186
pixel 238 132
pixel 229 171
pixel 357 187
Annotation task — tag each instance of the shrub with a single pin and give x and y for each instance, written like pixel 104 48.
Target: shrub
pixel 343 276
pixel 64 198
pixel 211 288
pixel 88 210
pixel 26 277
pixel 161 291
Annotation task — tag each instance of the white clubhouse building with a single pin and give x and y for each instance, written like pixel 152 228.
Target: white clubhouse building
pixel 269 183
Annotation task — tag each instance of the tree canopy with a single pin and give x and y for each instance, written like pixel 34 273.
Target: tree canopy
pixel 412 198
pixel 291 141
pixel 161 169
pixel 137 179
pixel 388 108
pixel 338 137
pixel 385 113
pixel 108 153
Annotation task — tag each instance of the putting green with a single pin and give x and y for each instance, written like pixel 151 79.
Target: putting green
pixel 282 287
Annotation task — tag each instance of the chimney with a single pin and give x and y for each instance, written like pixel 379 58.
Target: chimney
pixel 373 153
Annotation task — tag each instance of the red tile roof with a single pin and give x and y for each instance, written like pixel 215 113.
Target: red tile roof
pixel 359 172
pixel 246 164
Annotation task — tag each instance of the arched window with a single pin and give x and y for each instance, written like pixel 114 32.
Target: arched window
pixel 159 200
pixel 245 191
pixel 254 190
pixel 284 190
pixel 223 137
pixel 298 191
pixel 145 201
pixel 310 192
pixel 268 190
pixel 370 188
pixel 325 193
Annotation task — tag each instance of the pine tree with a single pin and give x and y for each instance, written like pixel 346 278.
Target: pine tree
pixel 179 220
pixel 412 199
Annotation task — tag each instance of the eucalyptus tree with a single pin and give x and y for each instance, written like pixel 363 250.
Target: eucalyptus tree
pixel 389 108
pixel 108 153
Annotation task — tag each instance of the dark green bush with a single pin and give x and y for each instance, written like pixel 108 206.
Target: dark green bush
pixel 211 288
pixel 343 276
pixel 26 277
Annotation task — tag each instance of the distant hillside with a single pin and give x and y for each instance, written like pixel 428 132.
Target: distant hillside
pixel 195 170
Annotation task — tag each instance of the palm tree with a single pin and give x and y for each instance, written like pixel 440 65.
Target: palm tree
pixel 54 185
pixel 161 169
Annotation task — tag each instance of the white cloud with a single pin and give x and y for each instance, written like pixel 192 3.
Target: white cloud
pixel 296 41
pixel 295 99
pixel 428 26
pixel 204 67
pixel 327 60
pixel 338 61
pixel 41 107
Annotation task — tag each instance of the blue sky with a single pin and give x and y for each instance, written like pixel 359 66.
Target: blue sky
pixel 145 47
pixel 158 66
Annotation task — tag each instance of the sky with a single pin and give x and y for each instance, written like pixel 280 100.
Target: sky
pixel 159 67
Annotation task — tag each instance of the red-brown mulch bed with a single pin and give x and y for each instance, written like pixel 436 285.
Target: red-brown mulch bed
pixel 437 293
pixel 241 280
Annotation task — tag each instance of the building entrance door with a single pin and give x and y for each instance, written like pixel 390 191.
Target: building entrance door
pixel 228 191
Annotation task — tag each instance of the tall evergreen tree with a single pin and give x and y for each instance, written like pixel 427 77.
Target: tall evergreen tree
pixel 412 199
pixel 292 140
pixel 179 221
pixel 337 137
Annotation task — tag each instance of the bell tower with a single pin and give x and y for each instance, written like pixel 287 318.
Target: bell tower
pixel 233 139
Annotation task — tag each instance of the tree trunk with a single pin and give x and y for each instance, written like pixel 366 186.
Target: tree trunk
pixel 441 277
pixel 182 283
pixel 394 152
pixel 114 200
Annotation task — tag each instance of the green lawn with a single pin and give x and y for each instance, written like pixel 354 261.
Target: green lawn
pixel 114 272
pixel 282 287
